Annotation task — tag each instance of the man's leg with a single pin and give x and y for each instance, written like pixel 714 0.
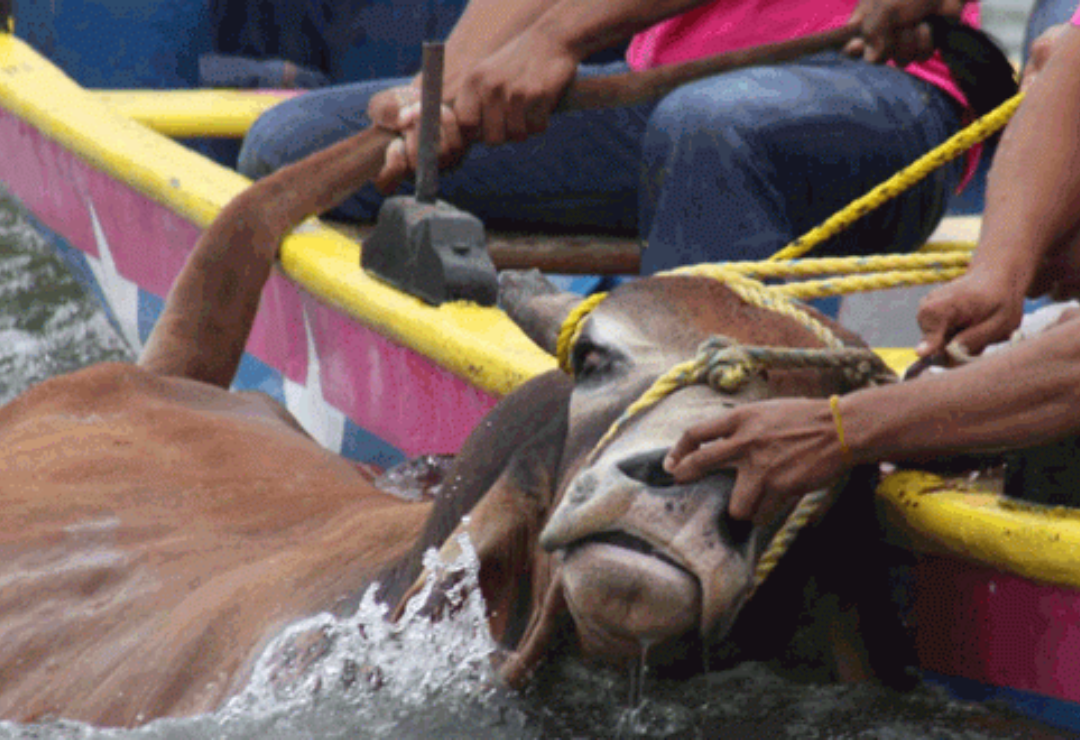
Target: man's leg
pixel 738 165
pixel 582 173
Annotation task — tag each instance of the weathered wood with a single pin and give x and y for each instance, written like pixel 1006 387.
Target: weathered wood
pixel 571 254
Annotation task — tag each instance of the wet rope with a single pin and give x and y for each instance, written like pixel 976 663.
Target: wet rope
pixel 725 366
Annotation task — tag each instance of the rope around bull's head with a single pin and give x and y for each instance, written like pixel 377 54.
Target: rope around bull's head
pixel 726 366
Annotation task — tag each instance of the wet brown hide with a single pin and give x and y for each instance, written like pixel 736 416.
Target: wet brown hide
pixel 156 533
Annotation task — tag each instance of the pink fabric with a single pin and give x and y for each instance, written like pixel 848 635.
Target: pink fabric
pixel 724 25
pixel 1076 18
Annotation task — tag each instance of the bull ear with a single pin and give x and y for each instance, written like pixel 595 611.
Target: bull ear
pixel 535 305
pixel 511 463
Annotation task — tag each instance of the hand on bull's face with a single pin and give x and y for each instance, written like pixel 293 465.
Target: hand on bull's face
pixel 780 449
pixel 398 109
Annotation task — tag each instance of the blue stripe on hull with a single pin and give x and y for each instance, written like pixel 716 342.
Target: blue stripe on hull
pixel 1055 712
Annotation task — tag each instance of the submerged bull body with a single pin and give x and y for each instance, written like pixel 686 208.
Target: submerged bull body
pixel 158 530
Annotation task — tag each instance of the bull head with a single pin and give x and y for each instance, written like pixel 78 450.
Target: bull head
pixel 638 561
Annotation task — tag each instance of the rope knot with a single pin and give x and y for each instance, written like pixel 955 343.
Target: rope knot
pixel 725 365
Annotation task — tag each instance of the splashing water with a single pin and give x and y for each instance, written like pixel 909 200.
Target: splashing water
pixel 361 677
pixel 403 666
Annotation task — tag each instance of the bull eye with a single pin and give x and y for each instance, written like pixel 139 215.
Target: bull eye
pixel 590 362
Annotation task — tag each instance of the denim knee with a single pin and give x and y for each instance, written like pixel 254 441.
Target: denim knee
pixel 272 140
pixel 306 124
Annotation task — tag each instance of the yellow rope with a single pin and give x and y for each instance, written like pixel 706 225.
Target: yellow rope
pixel 756 294
pixel 864 283
pixel 931 247
pixel 681 375
pixel 939 262
pixel 808 506
pixel 571 329
pixel 727 366
pixel 959 143
pixel 849 265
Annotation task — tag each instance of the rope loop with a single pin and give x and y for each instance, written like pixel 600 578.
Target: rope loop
pixel 726 366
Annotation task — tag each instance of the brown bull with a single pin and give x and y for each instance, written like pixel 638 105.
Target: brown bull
pixel 158 530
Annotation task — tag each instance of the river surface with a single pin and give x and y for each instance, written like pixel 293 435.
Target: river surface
pixel 428 681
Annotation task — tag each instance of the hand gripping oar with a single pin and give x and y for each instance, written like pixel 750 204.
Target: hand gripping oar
pixel 337 172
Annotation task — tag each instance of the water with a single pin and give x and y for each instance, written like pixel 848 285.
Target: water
pixel 364 680
pixel 48 325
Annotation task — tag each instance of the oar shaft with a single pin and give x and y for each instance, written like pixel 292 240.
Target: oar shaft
pixel 630 88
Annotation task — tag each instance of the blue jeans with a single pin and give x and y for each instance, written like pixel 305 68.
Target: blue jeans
pixel 728 168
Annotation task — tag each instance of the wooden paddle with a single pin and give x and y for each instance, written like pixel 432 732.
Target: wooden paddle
pixel 346 166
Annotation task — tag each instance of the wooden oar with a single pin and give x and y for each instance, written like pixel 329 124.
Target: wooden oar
pixel 629 88
pixel 346 166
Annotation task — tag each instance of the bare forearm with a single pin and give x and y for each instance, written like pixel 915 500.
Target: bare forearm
pixel 588 27
pixel 483 28
pixel 1033 196
pixel 584 26
pixel 1017 398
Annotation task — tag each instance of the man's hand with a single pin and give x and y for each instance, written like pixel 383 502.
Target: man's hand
pixel 398 109
pixel 780 450
pixel 896 29
pixel 975 310
pixel 510 95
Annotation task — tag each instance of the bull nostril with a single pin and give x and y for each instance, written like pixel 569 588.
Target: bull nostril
pixel 737 531
pixel 648 468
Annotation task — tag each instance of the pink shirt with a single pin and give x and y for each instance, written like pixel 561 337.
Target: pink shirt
pixel 723 25
pixel 1076 18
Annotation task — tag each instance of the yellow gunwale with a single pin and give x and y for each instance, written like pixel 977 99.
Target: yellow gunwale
pixel 480 345
pixel 184 114
pixel 972 522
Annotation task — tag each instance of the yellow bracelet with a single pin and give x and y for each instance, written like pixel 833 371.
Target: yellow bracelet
pixel 834 404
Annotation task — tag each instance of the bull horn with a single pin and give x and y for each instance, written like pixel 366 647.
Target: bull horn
pixel 535 305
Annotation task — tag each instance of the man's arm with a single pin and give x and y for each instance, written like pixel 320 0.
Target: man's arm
pixel 507 64
pixel 1032 211
pixel 1033 192
pixel 484 27
pixel 1026 395
pixel 785 448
